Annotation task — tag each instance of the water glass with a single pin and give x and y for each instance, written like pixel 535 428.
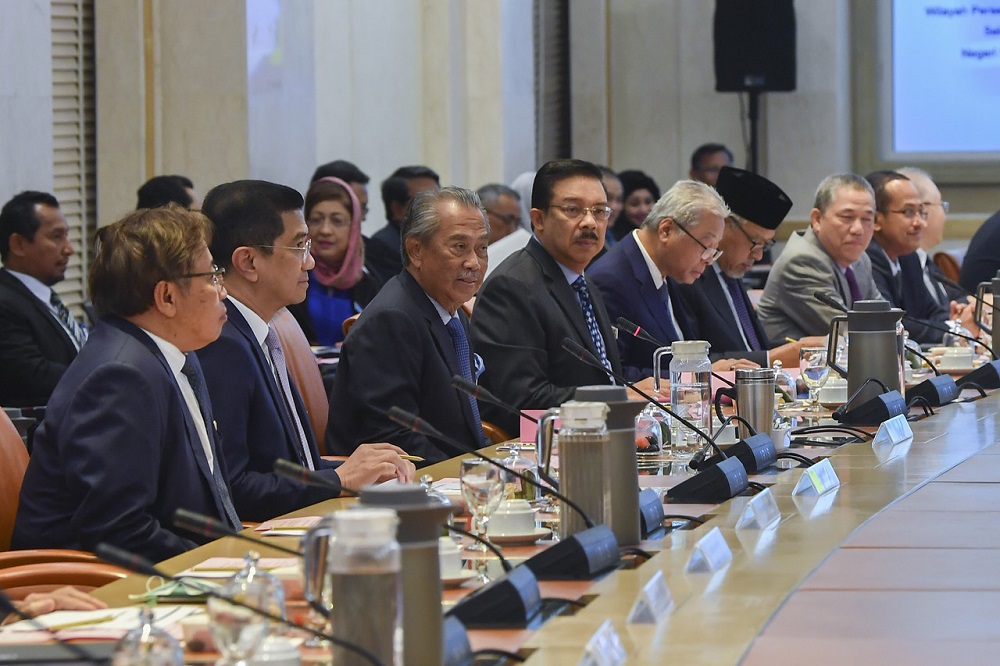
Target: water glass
pixel 483 490
pixel 815 372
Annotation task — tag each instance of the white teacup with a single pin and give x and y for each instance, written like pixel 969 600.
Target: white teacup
pixel 834 391
pixel 449 557
pixel 956 358
pixel 512 518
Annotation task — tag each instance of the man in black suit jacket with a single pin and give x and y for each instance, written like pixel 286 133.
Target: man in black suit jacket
pixel 717 300
pixel 530 302
pixel 412 338
pixel 128 435
pixel 261 240
pixel 39 338
pixel 383 255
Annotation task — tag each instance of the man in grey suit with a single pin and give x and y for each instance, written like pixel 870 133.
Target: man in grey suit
pixel 829 256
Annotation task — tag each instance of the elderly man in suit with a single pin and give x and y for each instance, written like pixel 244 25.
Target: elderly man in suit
pixel 261 240
pixel 829 257
pixel 128 436
pixel 717 300
pixel 539 296
pixel 39 337
pixel 413 337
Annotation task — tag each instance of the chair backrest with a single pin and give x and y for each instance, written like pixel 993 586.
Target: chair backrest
pixel 13 462
pixel 349 323
pixel 304 371
pixel 18 558
pixel 20 581
pixel 494 433
pixel 949 265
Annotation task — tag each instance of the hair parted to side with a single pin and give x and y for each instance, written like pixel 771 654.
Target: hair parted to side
pixel 552 172
pixel 422 218
pixel 684 203
pixel 827 190
pixel 138 251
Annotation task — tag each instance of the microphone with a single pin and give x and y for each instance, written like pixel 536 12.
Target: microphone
pixel 141 565
pixel 948 282
pixel 7 606
pixel 719 482
pixel 636 331
pixel 479 393
pixel 211 528
pixel 828 299
pixel 420 426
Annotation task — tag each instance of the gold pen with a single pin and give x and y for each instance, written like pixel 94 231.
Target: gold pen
pixel 792 340
pixel 82 623
pixel 407 456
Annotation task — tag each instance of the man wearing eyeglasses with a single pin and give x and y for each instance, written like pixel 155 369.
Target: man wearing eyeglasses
pixel 503 207
pixel 539 296
pixel 261 241
pixel 717 300
pixel 900 220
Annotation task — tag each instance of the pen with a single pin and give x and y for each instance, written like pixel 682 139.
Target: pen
pixel 82 623
pixel 407 456
pixel 792 340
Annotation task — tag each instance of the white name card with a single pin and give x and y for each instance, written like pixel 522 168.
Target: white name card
pixel 760 513
pixel 893 438
pixel 817 480
pixel 604 648
pixel 654 602
pixel 711 553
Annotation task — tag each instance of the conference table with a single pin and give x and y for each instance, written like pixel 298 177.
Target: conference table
pixel 896 565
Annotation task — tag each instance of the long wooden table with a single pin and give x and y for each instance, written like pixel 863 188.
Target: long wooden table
pixel 897 568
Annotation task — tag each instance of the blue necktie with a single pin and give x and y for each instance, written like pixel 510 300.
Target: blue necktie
pixel 669 330
pixel 580 285
pixel 461 343
pixel 733 284
pixel 192 370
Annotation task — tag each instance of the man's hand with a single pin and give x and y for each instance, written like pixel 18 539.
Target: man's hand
pixel 64 598
pixel 788 353
pixel 965 313
pixel 731 364
pixel 373 463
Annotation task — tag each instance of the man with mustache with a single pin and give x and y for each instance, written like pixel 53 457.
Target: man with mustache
pixel 539 295
pixel 412 338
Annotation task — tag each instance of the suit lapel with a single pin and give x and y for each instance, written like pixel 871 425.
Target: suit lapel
pixel 647 290
pixel 562 293
pixel 40 308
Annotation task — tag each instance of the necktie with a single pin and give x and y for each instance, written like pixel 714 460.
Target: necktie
pixel 733 284
pixel 192 370
pixel 78 332
pixel 580 285
pixel 461 344
pixel 852 283
pixel 669 330
pixel 934 287
pixel 281 372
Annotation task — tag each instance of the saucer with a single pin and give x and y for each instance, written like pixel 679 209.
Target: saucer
pixel 458 580
pixel 520 539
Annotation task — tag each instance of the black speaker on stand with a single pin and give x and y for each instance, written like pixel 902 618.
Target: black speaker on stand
pixel 754 53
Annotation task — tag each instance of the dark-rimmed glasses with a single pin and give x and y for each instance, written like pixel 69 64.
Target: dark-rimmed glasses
pixel 574 212
pixel 217 274
pixel 710 254
pixel 754 244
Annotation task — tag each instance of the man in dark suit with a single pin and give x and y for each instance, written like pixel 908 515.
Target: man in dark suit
pixel 128 435
pixel 261 240
pixel 39 337
pixel 383 256
pixel 639 277
pixel 412 338
pixel 899 226
pixel 538 296
pixel 717 300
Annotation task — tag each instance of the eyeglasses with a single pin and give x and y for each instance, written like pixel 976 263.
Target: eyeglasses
pixel 337 222
pixel 574 212
pixel 216 274
pixel 910 213
pixel 511 220
pixel 710 254
pixel 304 249
pixel 754 244
pixel 943 204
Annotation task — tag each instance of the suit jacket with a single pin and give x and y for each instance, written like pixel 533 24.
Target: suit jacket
pixel 706 300
pixel 523 312
pixel 35 350
pixel 383 256
pixel 910 294
pixel 982 260
pixel 116 455
pixel 627 288
pixel 788 308
pixel 399 354
pixel 255 426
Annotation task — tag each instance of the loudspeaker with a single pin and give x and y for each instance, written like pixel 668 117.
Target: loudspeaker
pixel 754 45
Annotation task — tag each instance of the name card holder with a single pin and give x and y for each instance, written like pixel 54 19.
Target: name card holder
pixel 817 480
pixel 892 439
pixel 760 513
pixel 711 553
pixel 604 648
pixel 654 602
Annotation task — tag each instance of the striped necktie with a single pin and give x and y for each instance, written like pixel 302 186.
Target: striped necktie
pixel 277 355
pixel 77 332
pixel 580 285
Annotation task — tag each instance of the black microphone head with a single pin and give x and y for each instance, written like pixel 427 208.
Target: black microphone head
pixel 636 331
pixel 126 560
pixel 201 524
pixel 581 352
pixel 469 387
pixel 828 299
pixel 7 605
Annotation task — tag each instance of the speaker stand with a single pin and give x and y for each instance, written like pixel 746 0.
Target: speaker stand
pixel 754 115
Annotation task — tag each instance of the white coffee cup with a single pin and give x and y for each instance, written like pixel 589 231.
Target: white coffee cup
pixel 512 518
pixel 956 358
pixel 276 651
pixel 449 557
pixel 834 391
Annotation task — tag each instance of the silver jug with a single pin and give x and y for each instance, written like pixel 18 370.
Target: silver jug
pixel 988 287
pixel 754 397
pixel 875 351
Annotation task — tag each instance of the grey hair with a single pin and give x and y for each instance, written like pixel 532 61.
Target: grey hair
pixel 684 203
pixel 827 189
pixel 422 219
pixel 489 194
pixel 914 171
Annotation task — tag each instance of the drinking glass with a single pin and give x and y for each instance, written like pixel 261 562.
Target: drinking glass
pixel 815 371
pixel 238 631
pixel 483 490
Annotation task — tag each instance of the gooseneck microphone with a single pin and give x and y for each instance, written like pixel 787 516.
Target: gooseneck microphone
pixel 419 426
pixel 141 565
pixel 828 299
pixel 211 528
pixel 636 331
pixel 7 606
pixel 479 393
pixel 948 282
